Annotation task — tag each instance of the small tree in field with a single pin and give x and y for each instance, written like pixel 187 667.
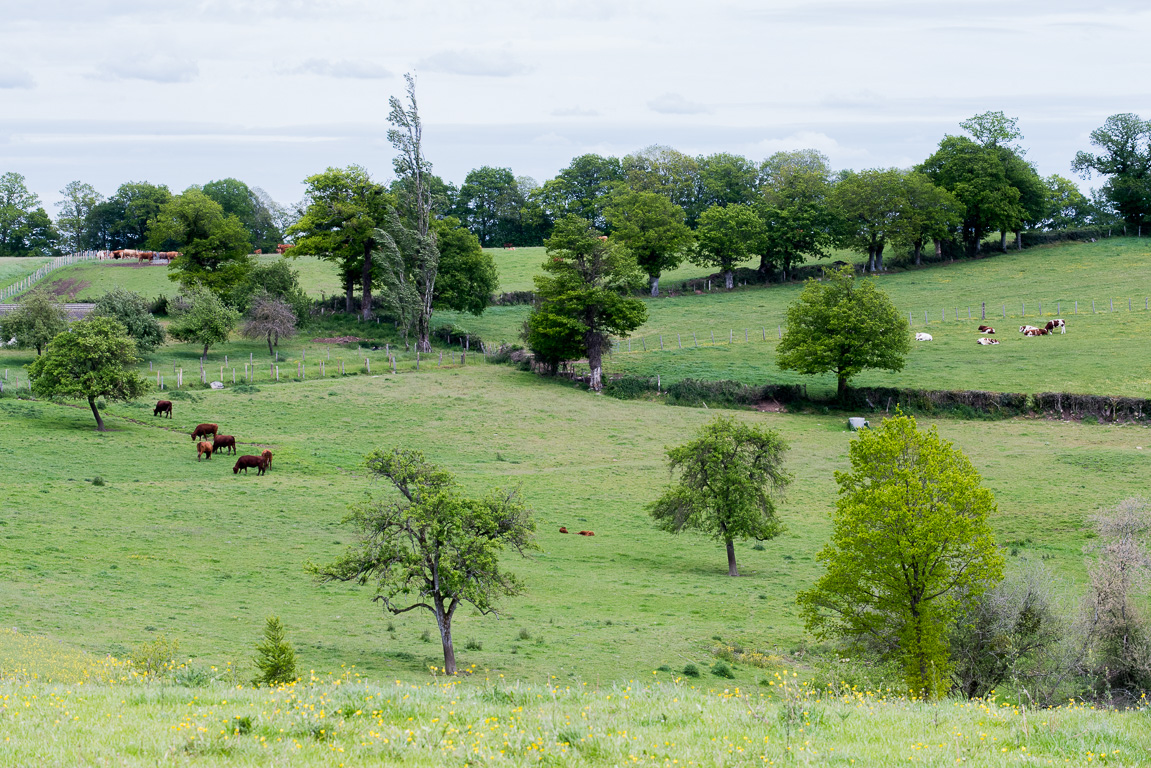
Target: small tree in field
pixel 910 537
pixel 133 312
pixel 728 476
pixel 276 658
pixel 36 322
pixel 93 359
pixel 843 326
pixel 205 320
pixel 270 317
pixel 433 548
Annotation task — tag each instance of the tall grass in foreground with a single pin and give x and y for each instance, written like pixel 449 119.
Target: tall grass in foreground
pixel 667 721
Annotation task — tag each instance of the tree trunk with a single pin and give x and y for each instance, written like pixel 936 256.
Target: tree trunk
pixel 729 279
pixel 205 351
pixel 879 256
pixel 366 288
pixel 1003 240
pixel 270 351
pixel 841 387
pixel 918 253
pixel 938 250
pixel 349 284
pixel 444 621
pixel 731 569
pixel 595 362
pixel 96 413
pixel 1019 241
pixel 655 286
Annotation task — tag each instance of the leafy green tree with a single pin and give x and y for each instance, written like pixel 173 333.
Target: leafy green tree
pixel 926 212
pixel 76 208
pixel 93 359
pixel 652 227
pixel 727 179
pixel 867 205
pixel 553 337
pixel 1032 196
pixel 728 476
pixel 25 227
pixel 433 548
pixel 467 275
pixel 794 208
pixel 213 245
pixel 202 318
pixel 487 204
pixel 122 220
pixel 1066 207
pixel 239 200
pixel 1124 141
pixel 276 279
pixel 668 172
pixel 844 326
pixel 976 176
pixel 344 210
pixel 994 129
pixel 727 235
pixel 38 319
pixel 586 283
pixel 133 311
pixel 582 189
pixel 275 657
pixel 910 537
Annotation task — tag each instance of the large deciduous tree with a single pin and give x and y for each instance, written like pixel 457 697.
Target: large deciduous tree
pixel 213 245
pixel 867 204
pixel 202 318
pixel 926 212
pixel 133 311
pixel 488 204
pixel 729 476
pixel 586 285
pixel 727 235
pixel 793 204
pixel 433 548
pixel 38 319
pixel 842 326
pixel 652 227
pixel 26 229
pixel 122 220
pixel 93 359
pixel 1124 158
pixel 252 209
pixel 1067 207
pixel 910 537
pixel 668 172
pixel 74 221
pixel 467 274
pixel 582 189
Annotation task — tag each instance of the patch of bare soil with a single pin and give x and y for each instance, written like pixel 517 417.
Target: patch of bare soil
pixel 770 406
pixel 68 287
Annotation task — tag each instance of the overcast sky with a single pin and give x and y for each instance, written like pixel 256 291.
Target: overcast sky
pixel 269 91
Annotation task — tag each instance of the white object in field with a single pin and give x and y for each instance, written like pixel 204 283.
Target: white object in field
pixel 923 337
pixel 217 385
pixel 857 423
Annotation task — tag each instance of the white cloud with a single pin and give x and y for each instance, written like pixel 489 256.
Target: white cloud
pixel 474 63
pixel 575 111
pixel 675 104
pixel 15 77
pixel 157 69
pixel 355 69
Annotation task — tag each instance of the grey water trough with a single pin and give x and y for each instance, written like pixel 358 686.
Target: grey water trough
pixel 856 423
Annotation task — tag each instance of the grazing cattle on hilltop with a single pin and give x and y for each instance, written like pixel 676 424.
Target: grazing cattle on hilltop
pixel 923 337
pixel 203 430
pixel 203 448
pixel 266 455
pixel 586 533
pixel 249 462
pixel 986 342
pixel 163 406
pixel 1056 323
pixel 223 442
pixel 1035 332
pixel 283 247
pixel 563 529
pixel 987 329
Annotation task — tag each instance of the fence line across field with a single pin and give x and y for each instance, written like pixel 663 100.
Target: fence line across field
pixel 26 282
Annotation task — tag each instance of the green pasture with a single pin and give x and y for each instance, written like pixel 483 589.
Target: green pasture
pixel 186 548
pixel 12 269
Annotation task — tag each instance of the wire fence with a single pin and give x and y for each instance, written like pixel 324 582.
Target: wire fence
pixel 26 282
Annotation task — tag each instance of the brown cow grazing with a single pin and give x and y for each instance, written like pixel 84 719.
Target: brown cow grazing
pixel 266 455
pixel 222 442
pixel 1056 323
pixel 203 448
pixel 203 430
pixel 586 533
pixel 987 329
pixel 250 462
pixel 563 530
pixel 163 406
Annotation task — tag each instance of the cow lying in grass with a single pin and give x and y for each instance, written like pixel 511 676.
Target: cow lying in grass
pixel 986 342
pixel 203 449
pixel 987 329
pixel 250 462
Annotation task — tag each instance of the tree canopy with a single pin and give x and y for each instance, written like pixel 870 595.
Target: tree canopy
pixel 910 536
pixel 213 245
pixel 200 317
pixel 26 229
pixel 652 227
pixel 270 317
pixel 843 326
pixel 728 235
pixel 977 177
pixel 74 221
pixel 432 548
pixel 134 313
pixel 93 359
pixel 728 478
pixel 1124 141
pixel 38 319
pixel 467 274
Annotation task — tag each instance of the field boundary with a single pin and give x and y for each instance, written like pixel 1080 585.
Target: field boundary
pixel 24 283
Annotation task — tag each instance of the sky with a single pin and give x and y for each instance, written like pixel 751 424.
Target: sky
pixel 271 91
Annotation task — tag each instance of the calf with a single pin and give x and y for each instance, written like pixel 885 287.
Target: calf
pixel 1056 323
pixel 987 329
pixel 1035 332
pixel 1026 328
pixel 923 337
pixel 249 462
pixel 203 430
pixel 221 442
pixel 986 342
pixel 563 529
pixel 163 406
pixel 266 455
pixel 586 533
pixel 203 448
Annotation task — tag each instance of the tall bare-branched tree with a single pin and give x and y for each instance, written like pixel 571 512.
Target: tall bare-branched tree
pixel 269 317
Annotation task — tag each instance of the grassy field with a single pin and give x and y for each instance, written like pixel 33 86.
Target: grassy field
pixel 661 720
pixel 12 269
pixel 172 545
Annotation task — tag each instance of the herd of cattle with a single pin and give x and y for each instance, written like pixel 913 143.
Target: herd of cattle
pixel 205 449
pixel 1026 330
pixel 141 256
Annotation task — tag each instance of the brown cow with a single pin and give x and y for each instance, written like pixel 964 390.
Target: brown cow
pixel 586 533
pixel 203 448
pixel 1056 323
pixel 203 430
pixel 266 455
pixel 163 406
pixel 222 442
pixel 563 529
pixel 248 462
pixel 1035 332
pixel 987 329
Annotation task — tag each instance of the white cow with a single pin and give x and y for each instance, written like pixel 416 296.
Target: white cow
pixel 986 342
pixel 923 337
